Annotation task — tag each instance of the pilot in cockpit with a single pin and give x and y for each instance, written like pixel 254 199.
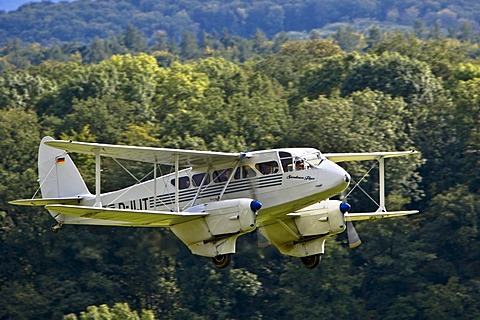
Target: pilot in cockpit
pixel 300 165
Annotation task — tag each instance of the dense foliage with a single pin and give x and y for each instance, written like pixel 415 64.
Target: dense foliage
pixel 82 20
pixel 398 92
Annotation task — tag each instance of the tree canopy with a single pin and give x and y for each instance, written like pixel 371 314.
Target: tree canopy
pixel 401 92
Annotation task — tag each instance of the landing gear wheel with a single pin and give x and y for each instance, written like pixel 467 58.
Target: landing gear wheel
pixel 222 261
pixel 56 227
pixel 311 262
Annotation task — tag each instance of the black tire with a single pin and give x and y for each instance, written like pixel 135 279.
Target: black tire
pixel 222 261
pixel 311 262
pixel 55 228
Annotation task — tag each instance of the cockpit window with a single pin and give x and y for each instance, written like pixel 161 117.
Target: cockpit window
pixel 268 167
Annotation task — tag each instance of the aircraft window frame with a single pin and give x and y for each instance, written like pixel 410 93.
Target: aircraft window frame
pixel 267 167
pixel 286 159
pixel 314 159
pixel 222 175
pixel 244 172
pixel 199 177
pixel 183 182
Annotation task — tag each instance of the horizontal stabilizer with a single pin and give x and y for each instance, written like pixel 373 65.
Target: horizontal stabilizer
pixel 364 156
pixel 377 215
pixel 44 202
pixel 127 217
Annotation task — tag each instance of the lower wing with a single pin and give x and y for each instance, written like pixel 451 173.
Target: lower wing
pixel 376 215
pixel 127 217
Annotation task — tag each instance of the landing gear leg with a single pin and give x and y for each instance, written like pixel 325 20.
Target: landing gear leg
pixel 311 262
pixel 56 227
pixel 222 261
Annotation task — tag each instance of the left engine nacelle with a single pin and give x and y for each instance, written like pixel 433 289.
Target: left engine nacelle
pixel 216 233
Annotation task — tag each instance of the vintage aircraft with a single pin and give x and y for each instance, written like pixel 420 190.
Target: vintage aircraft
pixel 211 198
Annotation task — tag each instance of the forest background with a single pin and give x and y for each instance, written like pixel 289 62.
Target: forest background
pixel 341 76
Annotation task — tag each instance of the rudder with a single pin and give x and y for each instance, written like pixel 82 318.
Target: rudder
pixel 58 175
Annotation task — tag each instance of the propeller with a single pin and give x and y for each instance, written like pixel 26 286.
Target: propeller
pixel 353 238
pixel 352 235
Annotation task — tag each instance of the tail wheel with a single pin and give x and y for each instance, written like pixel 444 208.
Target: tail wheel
pixel 311 262
pixel 56 227
pixel 222 261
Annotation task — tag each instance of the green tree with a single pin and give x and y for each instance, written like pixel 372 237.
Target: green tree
pixel 119 311
pixel 294 57
pixel 327 292
pixel 23 89
pixel 393 74
pixel 348 39
pixel 467 139
pixel 189 46
pixel 133 39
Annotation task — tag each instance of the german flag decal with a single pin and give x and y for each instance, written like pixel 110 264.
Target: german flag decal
pixel 61 160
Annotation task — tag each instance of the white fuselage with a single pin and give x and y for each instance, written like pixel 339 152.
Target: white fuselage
pixel 273 177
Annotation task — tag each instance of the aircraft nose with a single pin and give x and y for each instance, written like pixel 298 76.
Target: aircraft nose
pixel 341 178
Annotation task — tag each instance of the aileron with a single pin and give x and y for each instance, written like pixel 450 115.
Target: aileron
pixel 46 201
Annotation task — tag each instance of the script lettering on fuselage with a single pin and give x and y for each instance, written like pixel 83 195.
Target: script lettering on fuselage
pixel 297 177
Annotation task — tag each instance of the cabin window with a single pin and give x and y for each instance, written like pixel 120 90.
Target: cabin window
pixel 287 161
pixel 267 167
pixel 183 182
pixel 198 178
pixel 244 172
pixel 222 175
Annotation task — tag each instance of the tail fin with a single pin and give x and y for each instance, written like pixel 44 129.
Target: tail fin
pixel 58 175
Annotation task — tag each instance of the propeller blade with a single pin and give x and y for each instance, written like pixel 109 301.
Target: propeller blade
pixel 353 238
pixel 262 241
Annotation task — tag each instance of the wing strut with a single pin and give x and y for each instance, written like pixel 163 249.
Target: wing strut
pixel 155 184
pixel 177 187
pixel 98 200
pixel 381 175
pixel 228 181
pixel 381 181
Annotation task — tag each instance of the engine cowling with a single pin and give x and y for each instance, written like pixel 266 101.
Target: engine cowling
pixel 216 233
pixel 323 218
pixel 305 232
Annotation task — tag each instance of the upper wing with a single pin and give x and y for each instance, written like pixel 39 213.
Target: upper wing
pixel 127 217
pixel 376 215
pixel 186 158
pixel 362 156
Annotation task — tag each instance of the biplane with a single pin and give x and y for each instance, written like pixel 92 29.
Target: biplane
pixel 209 199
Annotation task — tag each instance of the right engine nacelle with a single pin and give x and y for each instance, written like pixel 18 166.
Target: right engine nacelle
pixel 323 218
pixel 306 230
pixel 216 233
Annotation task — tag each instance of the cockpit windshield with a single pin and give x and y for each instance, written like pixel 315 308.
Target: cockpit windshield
pixel 313 158
pixel 300 159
